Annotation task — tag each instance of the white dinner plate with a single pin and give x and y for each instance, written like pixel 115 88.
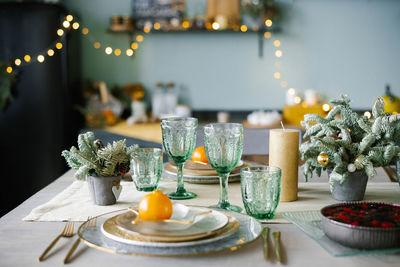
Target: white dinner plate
pixel 111 230
pixel 203 226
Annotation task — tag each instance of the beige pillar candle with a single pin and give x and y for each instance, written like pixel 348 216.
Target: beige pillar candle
pixel 283 153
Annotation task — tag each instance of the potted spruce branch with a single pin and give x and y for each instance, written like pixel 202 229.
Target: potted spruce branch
pixel 350 146
pixel 101 166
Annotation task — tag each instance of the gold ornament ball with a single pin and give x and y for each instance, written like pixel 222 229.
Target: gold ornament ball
pixel 358 160
pixel 323 159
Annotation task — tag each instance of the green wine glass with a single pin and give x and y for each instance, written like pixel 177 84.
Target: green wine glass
pixel 223 143
pixel 179 141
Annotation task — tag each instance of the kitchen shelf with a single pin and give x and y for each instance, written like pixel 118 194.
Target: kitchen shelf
pixel 260 34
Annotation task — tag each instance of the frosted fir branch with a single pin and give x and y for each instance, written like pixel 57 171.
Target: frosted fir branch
pixel 81 173
pixel 71 161
pixel 86 144
pixel 318 171
pixel 131 149
pixel 369 169
pixel 307 170
pixel 338 123
pixel 314 118
pixel 332 114
pixel 344 101
pixel 346 140
pixel 378 108
pixel 82 157
pixel 335 178
pixel 326 130
pixel 366 142
pixel 365 125
pixel 313 130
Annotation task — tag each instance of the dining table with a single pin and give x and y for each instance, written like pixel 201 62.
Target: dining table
pixel 23 239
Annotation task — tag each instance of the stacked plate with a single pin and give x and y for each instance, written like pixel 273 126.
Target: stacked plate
pixel 214 230
pixel 194 172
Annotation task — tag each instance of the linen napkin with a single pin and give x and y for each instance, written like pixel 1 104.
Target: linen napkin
pixel 74 203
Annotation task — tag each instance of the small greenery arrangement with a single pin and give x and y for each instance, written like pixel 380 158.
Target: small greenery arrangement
pixel 95 159
pixel 346 142
pixel 265 9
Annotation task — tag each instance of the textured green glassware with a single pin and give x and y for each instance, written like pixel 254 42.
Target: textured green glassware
pixel 179 141
pixel 223 143
pixel 261 186
pixel 146 166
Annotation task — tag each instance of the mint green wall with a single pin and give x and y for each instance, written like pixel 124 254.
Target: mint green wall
pixel 335 47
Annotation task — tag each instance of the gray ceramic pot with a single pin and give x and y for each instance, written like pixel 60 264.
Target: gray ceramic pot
pixel 104 190
pixel 353 189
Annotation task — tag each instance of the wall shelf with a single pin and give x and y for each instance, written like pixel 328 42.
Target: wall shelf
pixel 260 33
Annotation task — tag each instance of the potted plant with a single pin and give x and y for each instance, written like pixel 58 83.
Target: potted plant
pixel 101 166
pixel 349 146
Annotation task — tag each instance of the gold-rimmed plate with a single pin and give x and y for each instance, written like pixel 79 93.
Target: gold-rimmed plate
pixel 111 230
pixel 206 226
pixel 205 176
pixel 248 231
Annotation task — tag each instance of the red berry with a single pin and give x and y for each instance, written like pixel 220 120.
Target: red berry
pixel 354 223
pixel 342 217
pixel 387 225
pixel 375 223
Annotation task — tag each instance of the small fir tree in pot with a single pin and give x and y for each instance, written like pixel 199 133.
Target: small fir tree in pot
pixel 102 166
pixel 346 143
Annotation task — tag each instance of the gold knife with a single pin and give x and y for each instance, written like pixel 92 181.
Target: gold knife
pixel 277 237
pixel 265 233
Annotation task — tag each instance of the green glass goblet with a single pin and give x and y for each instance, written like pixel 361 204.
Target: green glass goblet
pixel 179 141
pixel 223 143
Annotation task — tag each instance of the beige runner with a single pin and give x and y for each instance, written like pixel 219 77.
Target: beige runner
pixel 74 203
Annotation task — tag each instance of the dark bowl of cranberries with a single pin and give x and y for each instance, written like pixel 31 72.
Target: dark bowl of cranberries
pixel 363 225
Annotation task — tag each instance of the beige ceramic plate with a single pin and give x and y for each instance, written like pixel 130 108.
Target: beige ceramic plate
pixel 111 230
pixel 174 232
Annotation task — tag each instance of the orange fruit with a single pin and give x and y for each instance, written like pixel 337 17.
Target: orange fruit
pixel 199 154
pixel 155 206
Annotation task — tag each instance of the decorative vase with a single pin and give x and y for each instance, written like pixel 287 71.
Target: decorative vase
pixel 351 190
pixel 104 190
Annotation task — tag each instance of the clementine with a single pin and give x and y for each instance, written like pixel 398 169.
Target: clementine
pixel 155 206
pixel 199 155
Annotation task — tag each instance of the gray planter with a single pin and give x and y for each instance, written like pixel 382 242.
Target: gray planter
pixel 104 190
pixel 353 189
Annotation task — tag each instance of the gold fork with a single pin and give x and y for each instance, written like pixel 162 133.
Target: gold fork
pixel 68 231
pixel 90 223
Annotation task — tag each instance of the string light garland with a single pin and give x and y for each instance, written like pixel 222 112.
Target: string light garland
pixel 57 45
pixel 69 24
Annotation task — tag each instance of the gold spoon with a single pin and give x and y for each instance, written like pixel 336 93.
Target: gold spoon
pixel 138 219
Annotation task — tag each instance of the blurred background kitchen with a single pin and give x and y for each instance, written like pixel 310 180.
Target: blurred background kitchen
pixel 116 64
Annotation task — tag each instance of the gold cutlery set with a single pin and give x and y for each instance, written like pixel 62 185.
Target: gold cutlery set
pixel 67 232
pixel 277 243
